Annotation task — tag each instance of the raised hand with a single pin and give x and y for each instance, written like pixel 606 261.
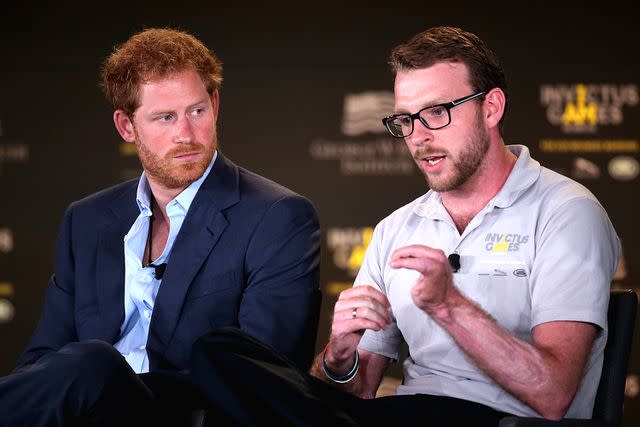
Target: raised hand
pixel 357 309
pixel 436 279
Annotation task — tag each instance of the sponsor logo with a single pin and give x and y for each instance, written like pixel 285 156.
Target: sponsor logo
pixel 632 386
pixel 624 168
pixel 504 242
pixel 585 169
pixel 520 272
pixel 7 311
pixel 11 152
pixel 6 240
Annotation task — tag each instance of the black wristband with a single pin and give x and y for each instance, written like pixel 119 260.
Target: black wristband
pixel 341 379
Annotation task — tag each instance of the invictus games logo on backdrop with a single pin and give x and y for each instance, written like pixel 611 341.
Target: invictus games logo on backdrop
pixel 347 246
pixel 586 117
pixel 366 149
pixel 582 108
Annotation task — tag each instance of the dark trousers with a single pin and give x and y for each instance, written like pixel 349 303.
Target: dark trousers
pixel 90 383
pixel 255 386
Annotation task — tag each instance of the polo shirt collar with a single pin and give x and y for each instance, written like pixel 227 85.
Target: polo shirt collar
pixel 524 173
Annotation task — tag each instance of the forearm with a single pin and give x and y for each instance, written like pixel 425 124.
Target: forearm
pixel 531 374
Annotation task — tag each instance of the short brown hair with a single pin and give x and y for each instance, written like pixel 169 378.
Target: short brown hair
pixel 439 44
pixel 151 54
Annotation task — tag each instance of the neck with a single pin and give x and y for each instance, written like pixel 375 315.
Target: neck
pixel 160 198
pixel 466 201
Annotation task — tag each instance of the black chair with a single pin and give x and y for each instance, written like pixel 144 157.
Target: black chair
pixel 607 410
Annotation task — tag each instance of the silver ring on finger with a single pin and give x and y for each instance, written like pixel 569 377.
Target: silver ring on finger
pixel 354 312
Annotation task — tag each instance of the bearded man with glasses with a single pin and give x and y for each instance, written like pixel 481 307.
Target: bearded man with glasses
pixel 490 277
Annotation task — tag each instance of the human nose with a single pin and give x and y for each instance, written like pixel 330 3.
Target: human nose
pixel 421 135
pixel 183 131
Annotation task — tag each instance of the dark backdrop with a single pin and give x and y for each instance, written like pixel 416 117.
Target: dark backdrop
pixel 301 102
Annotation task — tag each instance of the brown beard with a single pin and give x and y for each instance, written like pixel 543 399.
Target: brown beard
pixel 171 175
pixel 465 166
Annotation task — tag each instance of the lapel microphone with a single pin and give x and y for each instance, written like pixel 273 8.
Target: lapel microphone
pixel 454 262
pixel 159 270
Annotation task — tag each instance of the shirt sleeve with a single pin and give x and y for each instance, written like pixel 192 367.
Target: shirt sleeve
pixel 577 253
pixel 384 342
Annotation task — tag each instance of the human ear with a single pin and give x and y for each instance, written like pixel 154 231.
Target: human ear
pixel 124 125
pixel 215 101
pixel 494 106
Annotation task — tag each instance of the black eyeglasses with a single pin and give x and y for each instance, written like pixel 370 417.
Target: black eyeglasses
pixel 432 117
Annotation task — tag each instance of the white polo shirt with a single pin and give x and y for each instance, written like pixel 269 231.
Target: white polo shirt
pixel 543 249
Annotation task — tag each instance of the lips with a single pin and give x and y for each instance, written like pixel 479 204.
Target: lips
pixel 189 154
pixel 433 160
pixel 430 163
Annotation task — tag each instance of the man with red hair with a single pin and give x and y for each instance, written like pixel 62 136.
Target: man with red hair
pixel 144 268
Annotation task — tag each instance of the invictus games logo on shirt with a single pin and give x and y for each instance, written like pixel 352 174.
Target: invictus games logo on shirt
pixel 581 108
pixel 504 242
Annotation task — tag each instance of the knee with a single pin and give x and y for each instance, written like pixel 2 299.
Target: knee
pixel 95 361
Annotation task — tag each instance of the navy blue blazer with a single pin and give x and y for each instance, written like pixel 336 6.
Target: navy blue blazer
pixel 247 256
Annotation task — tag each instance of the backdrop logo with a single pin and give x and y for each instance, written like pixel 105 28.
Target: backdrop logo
pixel 363 112
pixel 6 240
pixel 581 108
pixel 624 168
pixel 584 169
pixel 365 148
pixel 11 152
pixel 347 246
pixel 7 310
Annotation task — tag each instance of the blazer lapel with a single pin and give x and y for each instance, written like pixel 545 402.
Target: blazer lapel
pixel 204 224
pixel 110 264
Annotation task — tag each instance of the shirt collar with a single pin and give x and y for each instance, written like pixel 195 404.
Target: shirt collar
pixel 524 173
pixel 183 200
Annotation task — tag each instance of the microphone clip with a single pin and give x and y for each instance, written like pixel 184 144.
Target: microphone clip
pixel 159 270
pixel 454 262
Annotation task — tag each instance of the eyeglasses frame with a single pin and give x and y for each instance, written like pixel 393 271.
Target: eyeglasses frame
pixel 446 105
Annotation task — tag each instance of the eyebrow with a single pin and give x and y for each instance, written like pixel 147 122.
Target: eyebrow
pixel 427 105
pixel 161 112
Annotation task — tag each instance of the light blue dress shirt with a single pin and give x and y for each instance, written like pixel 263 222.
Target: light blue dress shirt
pixel 140 283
